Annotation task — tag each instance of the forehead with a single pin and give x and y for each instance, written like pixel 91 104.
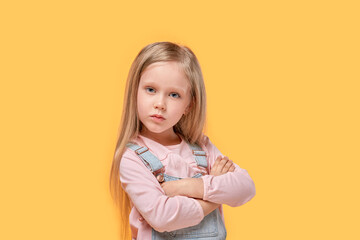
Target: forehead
pixel 165 74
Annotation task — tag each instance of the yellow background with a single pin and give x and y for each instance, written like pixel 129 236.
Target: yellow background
pixel 282 81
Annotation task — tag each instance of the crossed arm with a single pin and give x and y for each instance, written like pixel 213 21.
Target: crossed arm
pixel 226 184
pixel 194 187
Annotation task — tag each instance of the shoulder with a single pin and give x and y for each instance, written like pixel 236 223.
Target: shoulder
pixel 129 160
pixel 129 153
pixel 205 142
pixel 211 150
pixel 133 170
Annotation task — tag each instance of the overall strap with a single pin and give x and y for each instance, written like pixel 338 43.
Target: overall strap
pixel 152 162
pixel 200 155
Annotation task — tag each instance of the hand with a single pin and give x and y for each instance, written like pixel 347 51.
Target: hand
pixel 208 207
pixel 221 166
pixel 172 188
pixel 190 187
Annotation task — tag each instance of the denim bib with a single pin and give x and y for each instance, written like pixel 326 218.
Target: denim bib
pixel 211 227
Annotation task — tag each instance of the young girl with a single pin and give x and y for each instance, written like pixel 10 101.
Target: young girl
pixel 167 175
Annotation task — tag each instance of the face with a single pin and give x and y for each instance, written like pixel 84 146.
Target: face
pixel 163 97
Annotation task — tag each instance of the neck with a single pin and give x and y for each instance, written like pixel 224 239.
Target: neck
pixel 165 138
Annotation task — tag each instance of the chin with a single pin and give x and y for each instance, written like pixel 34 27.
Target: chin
pixel 157 130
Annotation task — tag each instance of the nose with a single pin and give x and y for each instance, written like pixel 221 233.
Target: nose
pixel 160 103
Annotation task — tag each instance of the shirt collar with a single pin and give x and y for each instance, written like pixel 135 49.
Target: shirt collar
pixel 159 150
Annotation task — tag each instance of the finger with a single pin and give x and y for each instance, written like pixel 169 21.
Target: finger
pixel 218 159
pixel 216 163
pixel 227 166
pixel 232 168
pixel 222 164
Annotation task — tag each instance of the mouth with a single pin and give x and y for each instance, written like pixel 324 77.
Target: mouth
pixel 157 117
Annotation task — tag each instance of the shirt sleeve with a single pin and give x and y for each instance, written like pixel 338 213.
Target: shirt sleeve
pixel 161 212
pixel 232 188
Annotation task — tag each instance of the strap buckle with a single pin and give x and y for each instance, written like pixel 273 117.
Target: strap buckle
pixel 141 152
pixel 199 153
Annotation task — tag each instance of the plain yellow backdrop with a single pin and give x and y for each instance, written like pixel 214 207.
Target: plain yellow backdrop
pixel 282 80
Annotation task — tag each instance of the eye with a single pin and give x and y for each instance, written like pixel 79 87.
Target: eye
pixel 174 95
pixel 150 89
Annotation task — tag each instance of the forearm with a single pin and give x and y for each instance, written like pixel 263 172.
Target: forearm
pixel 233 189
pixel 192 188
pixel 208 207
pixel 189 187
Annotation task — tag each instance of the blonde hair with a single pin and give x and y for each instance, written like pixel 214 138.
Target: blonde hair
pixel 190 126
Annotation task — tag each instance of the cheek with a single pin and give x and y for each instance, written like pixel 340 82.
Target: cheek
pixel 140 103
pixel 179 111
pixel 142 98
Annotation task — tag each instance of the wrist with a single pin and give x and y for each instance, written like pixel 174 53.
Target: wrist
pixel 193 187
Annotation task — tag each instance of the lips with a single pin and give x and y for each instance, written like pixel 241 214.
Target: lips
pixel 156 116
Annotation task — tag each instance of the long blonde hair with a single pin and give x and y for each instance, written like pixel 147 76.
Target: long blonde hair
pixel 190 126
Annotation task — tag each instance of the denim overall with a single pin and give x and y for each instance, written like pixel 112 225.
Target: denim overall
pixel 211 227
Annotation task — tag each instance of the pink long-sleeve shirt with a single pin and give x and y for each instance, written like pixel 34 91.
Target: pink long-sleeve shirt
pixel 151 208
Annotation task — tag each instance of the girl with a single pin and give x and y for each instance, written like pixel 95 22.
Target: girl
pixel 167 175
